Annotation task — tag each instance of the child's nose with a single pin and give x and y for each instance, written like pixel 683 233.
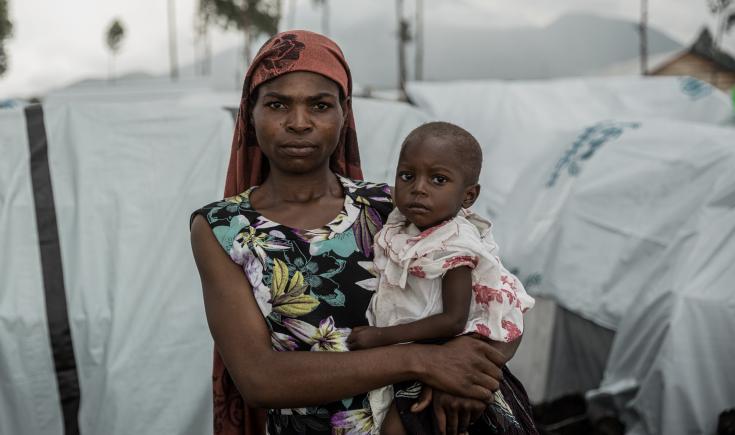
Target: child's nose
pixel 419 187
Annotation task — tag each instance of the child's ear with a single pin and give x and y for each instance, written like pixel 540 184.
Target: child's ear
pixel 470 195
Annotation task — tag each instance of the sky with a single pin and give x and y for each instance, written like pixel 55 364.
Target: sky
pixel 56 43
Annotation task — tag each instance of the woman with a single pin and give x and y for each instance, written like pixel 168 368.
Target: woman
pixel 294 273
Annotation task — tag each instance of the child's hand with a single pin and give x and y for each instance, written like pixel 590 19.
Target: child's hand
pixel 365 337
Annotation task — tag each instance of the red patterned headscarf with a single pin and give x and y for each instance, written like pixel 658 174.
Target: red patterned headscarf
pixel 296 50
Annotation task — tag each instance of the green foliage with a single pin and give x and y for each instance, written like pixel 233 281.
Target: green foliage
pixel 730 21
pixel 256 17
pixel 114 36
pixel 718 6
pixel 6 31
pixel 725 16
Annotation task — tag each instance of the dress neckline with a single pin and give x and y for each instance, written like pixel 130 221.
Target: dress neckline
pixel 342 221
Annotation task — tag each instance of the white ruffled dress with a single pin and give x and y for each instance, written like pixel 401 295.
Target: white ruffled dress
pixel 411 264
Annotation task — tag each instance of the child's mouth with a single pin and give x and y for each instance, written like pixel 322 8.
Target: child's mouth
pixel 418 208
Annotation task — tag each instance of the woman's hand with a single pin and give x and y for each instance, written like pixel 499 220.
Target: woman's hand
pixel 453 414
pixel 464 367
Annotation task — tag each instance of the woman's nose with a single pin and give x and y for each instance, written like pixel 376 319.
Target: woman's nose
pixel 299 120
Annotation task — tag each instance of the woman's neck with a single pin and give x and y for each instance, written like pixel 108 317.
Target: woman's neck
pixel 299 188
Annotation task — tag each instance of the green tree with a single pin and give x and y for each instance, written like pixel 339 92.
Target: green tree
pixel 253 17
pixel 643 35
pixel 324 5
pixel 725 16
pixel 403 37
pixel 6 31
pixel 113 38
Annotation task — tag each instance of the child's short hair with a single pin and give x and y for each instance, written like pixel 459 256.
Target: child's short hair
pixel 467 145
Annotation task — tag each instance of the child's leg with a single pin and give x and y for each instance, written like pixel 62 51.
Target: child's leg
pixel 392 424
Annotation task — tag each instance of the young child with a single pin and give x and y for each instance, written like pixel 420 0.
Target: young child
pixel 439 271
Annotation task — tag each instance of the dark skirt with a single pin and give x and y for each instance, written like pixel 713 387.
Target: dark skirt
pixel 509 415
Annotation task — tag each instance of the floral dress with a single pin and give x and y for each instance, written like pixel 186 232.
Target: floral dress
pixel 312 286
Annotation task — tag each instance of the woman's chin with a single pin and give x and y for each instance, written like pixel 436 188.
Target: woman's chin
pixel 300 166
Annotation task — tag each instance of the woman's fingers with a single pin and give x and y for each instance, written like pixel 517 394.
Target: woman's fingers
pixel 465 366
pixel 479 393
pixel 424 399
pixel 441 419
pixel 463 421
pixel 494 355
pixel 491 383
pixel 490 375
pixel 454 413
pixel 452 420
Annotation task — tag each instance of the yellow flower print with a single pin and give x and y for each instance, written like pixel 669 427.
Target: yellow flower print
pixel 287 295
pixel 260 242
pixel 326 338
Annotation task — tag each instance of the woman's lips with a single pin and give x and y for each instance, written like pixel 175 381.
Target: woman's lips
pixel 298 150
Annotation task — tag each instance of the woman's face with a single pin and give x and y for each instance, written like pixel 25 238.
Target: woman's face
pixel 298 119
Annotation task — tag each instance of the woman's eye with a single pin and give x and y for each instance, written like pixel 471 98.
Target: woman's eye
pixel 275 105
pixel 439 179
pixel 321 106
pixel 405 176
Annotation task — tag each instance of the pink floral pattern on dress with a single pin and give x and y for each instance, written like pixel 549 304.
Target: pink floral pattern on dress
pixel 482 329
pixel 426 233
pixel 460 260
pixel 417 271
pixel 512 330
pixel 485 295
pixel 510 282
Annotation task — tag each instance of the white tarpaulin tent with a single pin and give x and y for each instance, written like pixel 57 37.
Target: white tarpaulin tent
pixel 616 199
pixel 124 177
pixel 127 167
pixel 125 173
pixel 515 121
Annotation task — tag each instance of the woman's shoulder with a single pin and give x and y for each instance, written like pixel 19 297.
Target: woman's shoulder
pixel 226 217
pixel 224 209
pixel 374 198
pixel 367 188
pixel 375 195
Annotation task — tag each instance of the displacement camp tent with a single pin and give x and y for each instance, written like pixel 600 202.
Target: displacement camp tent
pixel 96 188
pixel 102 327
pixel 616 200
pixel 95 200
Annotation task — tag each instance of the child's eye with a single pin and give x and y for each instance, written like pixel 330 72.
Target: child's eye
pixel 439 179
pixel 405 176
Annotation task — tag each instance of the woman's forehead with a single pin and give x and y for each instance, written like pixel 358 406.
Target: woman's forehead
pixel 300 83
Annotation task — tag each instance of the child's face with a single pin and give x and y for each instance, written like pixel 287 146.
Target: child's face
pixel 430 182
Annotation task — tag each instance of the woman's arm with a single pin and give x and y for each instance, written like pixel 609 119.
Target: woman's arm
pixel 271 379
pixel 456 299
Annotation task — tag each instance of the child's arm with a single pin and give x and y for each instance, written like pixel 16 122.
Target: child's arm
pixel 456 299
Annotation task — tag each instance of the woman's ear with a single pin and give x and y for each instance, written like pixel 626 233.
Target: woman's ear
pixel 345 103
pixel 470 195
